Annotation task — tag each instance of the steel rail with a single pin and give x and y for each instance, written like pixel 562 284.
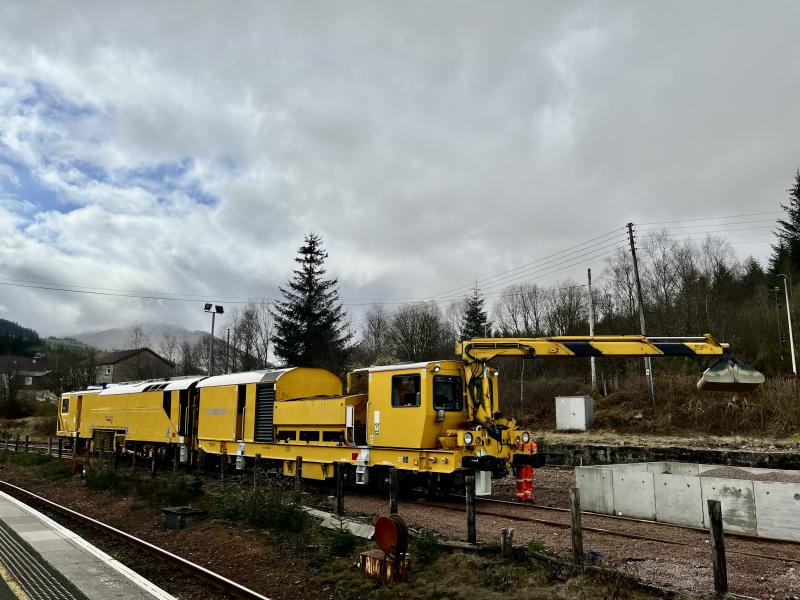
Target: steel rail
pixel 633 536
pixel 223 583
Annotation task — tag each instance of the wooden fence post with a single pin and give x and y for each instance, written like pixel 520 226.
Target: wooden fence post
pixel 153 465
pixel 60 447
pixel 27 443
pixel 298 473
pixel 223 458
pixel 507 542
pixel 577 530
pixel 8 439
pixel 16 444
pixel 392 491
pixel 340 489
pixel 469 484
pixel 50 446
pixel 256 462
pixel 718 547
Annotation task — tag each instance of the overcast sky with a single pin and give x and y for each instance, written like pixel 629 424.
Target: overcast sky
pixel 186 148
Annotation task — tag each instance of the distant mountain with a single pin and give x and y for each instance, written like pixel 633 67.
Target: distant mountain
pixel 120 338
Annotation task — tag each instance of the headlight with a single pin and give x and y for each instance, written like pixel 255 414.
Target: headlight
pixel 526 437
pixel 468 439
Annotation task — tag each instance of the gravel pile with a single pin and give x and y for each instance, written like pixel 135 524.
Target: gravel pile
pixel 736 473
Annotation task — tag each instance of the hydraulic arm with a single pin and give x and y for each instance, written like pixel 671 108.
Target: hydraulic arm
pixel 725 374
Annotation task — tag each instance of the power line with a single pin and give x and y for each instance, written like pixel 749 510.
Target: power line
pixel 531 264
pixel 768 212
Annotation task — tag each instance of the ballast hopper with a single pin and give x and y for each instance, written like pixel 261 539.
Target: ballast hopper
pixel 729 375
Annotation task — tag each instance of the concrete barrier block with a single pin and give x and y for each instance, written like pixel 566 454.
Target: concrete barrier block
pixel 597 493
pixel 738 503
pixel 679 468
pixel 778 509
pixel 679 499
pixel 634 494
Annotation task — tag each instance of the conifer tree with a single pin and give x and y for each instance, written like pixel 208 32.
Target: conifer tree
pixel 786 253
pixel 310 324
pixel 474 321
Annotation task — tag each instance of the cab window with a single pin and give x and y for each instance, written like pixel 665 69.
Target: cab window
pixel 64 405
pixel 405 390
pixel 448 393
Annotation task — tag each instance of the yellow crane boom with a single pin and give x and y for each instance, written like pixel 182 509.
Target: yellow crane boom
pixel 726 374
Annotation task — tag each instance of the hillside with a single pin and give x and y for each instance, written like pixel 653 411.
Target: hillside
pixel 119 337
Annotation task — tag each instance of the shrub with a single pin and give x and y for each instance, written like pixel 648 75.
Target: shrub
pixel 427 546
pixel 534 547
pixel 180 491
pixel 55 469
pixel 269 508
pixel 107 480
pixel 343 542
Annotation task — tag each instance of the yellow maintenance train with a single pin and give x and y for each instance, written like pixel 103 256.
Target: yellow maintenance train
pixel 432 421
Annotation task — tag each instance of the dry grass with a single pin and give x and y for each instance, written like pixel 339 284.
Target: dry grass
pixel 773 410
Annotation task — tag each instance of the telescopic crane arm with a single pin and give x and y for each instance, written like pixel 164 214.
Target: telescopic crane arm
pixel 726 374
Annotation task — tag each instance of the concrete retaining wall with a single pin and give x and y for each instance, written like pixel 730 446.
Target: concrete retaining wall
pixel 672 492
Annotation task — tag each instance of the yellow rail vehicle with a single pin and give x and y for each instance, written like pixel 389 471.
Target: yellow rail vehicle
pixel 432 421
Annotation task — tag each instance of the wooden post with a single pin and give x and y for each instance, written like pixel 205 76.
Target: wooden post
pixel 27 443
pixel 340 489
pixel 256 462
pixel 718 547
pixel 153 465
pixel 392 491
pixel 74 451
pixel 223 458
pixel 50 446
pixel 8 439
pixel 16 444
pixel 507 542
pixel 60 447
pixel 298 473
pixel 469 484
pixel 115 455
pixel 133 458
pixel 577 530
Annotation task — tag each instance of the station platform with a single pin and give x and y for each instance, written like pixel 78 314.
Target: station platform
pixel 42 560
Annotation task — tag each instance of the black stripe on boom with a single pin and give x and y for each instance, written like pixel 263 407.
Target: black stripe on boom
pixel 674 349
pixel 582 349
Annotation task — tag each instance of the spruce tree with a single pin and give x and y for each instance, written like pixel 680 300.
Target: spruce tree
pixel 786 253
pixel 310 325
pixel 474 321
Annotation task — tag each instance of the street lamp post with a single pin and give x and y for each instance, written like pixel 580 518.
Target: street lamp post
pixel 789 318
pixel 214 309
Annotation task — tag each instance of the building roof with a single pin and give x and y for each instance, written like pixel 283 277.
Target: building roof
pixel 111 358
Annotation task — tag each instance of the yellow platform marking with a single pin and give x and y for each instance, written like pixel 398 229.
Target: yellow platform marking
pixel 12 583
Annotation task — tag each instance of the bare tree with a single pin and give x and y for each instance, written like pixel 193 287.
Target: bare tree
pixel 137 337
pixel 265 326
pixel 418 332
pixel 169 345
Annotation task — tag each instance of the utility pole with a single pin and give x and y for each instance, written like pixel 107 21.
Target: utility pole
pixel 214 309
pixel 777 291
pixel 591 331
pixel 228 351
pixel 789 318
pixel 648 370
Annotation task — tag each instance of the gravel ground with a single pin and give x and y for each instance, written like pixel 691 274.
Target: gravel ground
pixel 736 473
pixel 684 565
pixel 760 444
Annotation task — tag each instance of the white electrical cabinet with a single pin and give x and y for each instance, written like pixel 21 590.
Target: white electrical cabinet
pixel 574 413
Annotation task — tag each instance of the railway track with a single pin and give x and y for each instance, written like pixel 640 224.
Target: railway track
pixel 514 511
pixel 517 508
pixel 218 581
